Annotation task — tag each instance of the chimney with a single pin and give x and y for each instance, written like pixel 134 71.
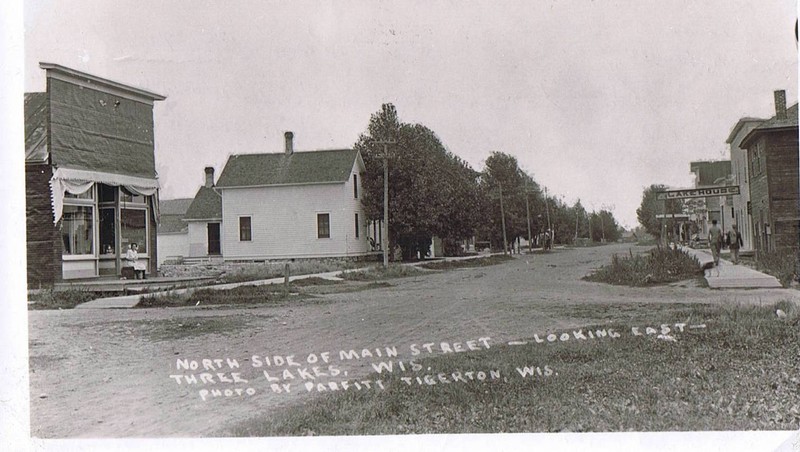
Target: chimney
pixel 209 177
pixel 780 104
pixel 288 136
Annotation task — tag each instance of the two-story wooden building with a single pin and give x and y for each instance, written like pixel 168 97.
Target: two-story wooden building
pixel 91 184
pixel 772 153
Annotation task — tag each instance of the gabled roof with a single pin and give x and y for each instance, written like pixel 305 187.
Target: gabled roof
pixel 174 206
pixel 740 125
pixel 311 167
pixel 172 212
pixel 171 224
pixel 36 127
pixel 773 124
pixel 207 205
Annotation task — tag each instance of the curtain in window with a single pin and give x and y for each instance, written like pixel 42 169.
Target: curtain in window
pixel 66 180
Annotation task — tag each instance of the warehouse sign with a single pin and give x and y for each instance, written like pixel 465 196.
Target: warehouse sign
pixel 699 192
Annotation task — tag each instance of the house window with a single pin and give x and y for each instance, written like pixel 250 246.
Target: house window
pixel 355 188
pixel 245 233
pixel 357 231
pixel 323 226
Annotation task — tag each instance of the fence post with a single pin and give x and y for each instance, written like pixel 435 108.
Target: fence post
pixel 286 279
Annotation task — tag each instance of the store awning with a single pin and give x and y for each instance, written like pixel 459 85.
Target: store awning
pixel 75 181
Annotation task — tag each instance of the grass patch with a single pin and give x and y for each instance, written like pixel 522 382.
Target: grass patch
pixel 60 299
pixel 270 270
pixel 780 264
pixel 300 290
pixel 379 272
pixel 268 294
pixel 188 327
pixel 658 266
pixel 313 281
pixel 737 374
pixel 468 263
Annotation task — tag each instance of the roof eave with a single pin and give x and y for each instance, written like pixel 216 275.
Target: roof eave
pixel 69 73
pixel 189 220
pixel 282 185
pixel 747 140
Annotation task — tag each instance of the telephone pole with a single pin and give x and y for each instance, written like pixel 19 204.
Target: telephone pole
pixel 385 246
pixel 528 216
pixel 549 226
pixel 503 221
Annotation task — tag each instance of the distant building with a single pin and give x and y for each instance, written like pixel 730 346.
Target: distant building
pixel 90 180
pixel 293 205
pixel 741 177
pixel 173 232
pixel 772 154
pixel 712 174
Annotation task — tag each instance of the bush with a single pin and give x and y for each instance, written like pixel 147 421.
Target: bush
pixel 659 266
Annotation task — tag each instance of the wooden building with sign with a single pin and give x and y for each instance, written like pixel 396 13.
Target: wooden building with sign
pixel 711 175
pixel 90 179
pixel 772 153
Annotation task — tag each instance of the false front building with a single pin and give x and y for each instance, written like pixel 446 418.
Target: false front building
pixel 292 205
pixel 91 187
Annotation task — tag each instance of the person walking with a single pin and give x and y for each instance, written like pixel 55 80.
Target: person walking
pixel 734 242
pixel 715 241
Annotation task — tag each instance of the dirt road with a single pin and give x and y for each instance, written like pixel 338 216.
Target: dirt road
pixel 106 373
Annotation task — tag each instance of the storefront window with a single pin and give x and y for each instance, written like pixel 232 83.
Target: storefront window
pixel 106 192
pixel 76 230
pixel 107 235
pixel 133 224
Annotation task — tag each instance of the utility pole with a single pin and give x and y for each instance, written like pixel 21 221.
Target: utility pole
pixel 549 226
pixel 602 227
pixel 385 246
pixel 503 221
pixel 528 216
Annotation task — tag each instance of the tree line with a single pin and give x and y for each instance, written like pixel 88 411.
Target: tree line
pixel 433 192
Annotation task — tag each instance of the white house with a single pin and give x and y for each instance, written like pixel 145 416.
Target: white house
pixel 293 205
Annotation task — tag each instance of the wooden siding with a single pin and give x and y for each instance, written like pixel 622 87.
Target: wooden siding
pixel 782 169
pixel 284 221
pixel 44 250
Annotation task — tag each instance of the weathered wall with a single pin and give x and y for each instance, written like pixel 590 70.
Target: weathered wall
pixel 44 253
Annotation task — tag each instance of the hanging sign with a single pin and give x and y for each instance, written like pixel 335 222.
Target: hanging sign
pixel 699 192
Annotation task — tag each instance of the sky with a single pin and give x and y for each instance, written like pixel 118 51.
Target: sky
pixel 596 99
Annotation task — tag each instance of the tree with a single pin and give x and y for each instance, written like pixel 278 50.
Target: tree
pixel 502 173
pixel 431 191
pixel 651 206
pixel 605 226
